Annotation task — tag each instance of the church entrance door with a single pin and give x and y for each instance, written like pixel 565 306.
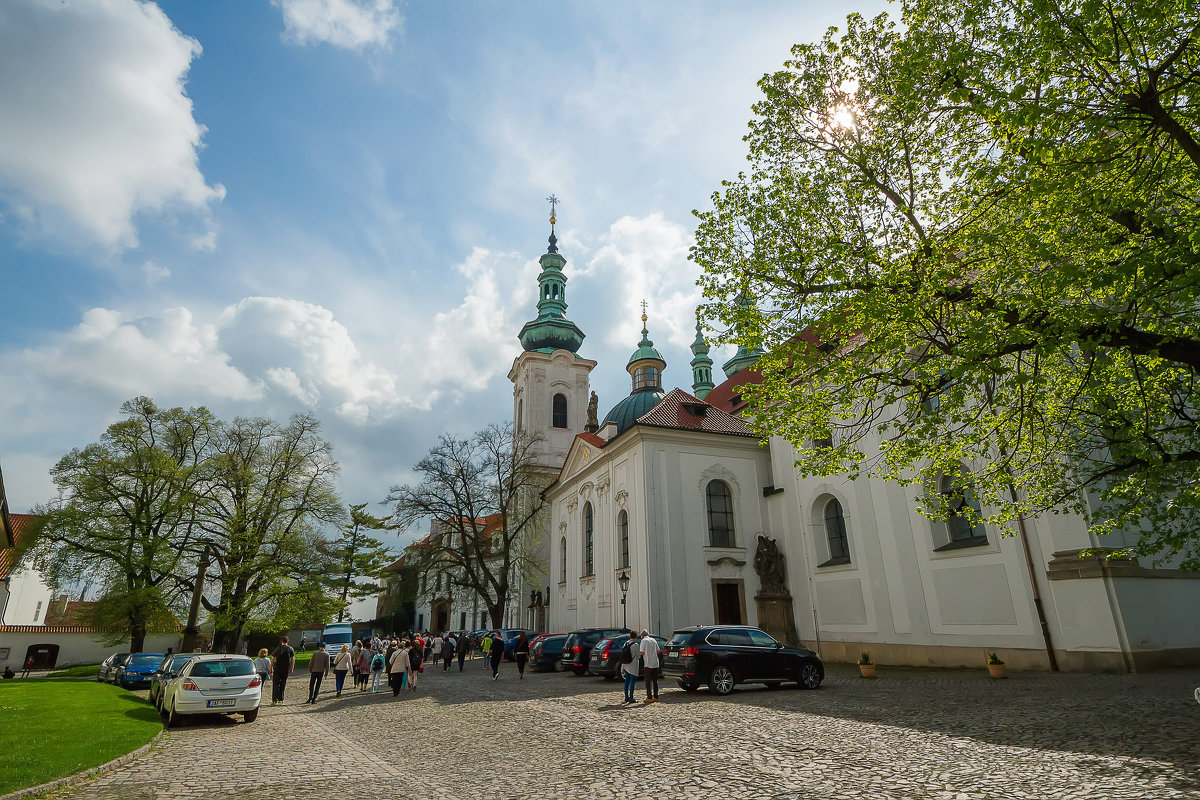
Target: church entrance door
pixel 727 601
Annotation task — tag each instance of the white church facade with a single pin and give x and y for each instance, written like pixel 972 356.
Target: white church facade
pixel 713 526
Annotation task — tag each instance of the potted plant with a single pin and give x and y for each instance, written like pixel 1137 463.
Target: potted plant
pixel 865 666
pixel 995 665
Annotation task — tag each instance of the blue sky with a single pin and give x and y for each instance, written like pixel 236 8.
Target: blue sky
pixel 338 205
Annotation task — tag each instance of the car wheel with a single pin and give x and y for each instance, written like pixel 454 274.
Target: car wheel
pixel 687 687
pixel 721 680
pixel 251 715
pixel 173 717
pixel 557 666
pixel 809 677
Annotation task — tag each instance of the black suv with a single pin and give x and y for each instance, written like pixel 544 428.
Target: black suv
pixel 725 655
pixel 578 647
pixel 605 660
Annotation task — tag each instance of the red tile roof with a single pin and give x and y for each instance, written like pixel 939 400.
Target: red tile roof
pixel 46 629
pixel 592 439
pixel 25 527
pixel 683 411
pixel 728 395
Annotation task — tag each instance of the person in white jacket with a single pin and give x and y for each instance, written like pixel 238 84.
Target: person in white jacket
pixel 649 649
pixel 398 665
pixel 342 663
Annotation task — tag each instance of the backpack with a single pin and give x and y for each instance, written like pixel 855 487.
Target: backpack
pixel 377 663
pixel 627 652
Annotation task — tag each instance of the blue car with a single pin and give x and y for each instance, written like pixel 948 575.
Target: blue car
pixel 138 669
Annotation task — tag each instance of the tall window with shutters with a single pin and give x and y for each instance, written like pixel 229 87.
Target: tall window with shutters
pixel 623 536
pixel 589 541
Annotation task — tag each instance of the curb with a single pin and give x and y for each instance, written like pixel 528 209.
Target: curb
pixel 79 777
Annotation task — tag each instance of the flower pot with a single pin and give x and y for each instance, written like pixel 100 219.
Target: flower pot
pixel 998 670
pixel 867 670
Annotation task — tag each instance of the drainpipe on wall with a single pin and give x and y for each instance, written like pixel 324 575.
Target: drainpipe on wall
pixel 1037 594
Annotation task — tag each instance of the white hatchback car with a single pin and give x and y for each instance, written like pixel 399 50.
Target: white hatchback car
pixel 213 684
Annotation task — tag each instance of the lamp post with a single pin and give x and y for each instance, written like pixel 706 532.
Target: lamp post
pixel 623 582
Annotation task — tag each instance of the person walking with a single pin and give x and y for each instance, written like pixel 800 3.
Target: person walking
pixel 486 648
pixel 363 668
pixel 355 653
pixel 435 649
pixel 28 666
pixel 284 658
pixel 378 662
pixel 521 654
pixel 342 663
pixel 262 665
pixel 497 654
pixel 649 650
pixel 447 652
pixel 318 668
pixel 415 665
pixel 463 645
pixel 398 665
pixel 631 655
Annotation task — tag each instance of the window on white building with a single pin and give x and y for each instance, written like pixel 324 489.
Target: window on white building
pixel 562 559
pixel 962 527
pixel 37 612
pixel 560 411
pixel 720 514
pixel 589 541
pixel 623 535
pixel 835 534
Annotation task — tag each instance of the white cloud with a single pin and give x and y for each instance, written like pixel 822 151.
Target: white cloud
pixel 97 126
pixel 351 24
pixel 154 273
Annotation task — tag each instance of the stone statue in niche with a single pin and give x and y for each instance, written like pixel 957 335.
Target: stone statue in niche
pixel 593 424
pixel 768 563
pixel 533 597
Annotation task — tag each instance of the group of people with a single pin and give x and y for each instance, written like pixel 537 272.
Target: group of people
pixel 401 659
pixel 639 656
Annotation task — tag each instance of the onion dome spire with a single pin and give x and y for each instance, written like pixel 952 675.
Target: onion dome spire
pixel 645 369
pixel 551 330
pixel 745 356
pixel 702 382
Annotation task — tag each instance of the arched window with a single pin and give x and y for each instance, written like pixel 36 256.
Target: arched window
pixel 623 536
pixel 651 377
pixel 589 541
pixel 963 528
pixel 560 411
pixel 720 514
pixel 562 559
pixel 835 533
pixel 639 378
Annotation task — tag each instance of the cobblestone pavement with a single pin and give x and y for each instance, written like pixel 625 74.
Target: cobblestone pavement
pixel 908 734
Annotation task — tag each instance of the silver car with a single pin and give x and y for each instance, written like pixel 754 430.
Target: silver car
pixel 213 684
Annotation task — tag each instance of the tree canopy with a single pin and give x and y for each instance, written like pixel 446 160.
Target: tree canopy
pixel 970 238
pixel 358 558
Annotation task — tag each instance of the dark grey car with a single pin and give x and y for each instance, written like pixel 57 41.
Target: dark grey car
pixel 108 667
pixel 165 672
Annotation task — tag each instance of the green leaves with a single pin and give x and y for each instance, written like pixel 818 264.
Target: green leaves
pixel 994 265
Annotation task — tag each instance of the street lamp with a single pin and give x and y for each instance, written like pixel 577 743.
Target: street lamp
pixel 623 582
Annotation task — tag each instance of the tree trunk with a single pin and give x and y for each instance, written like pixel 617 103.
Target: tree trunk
pixel 137 636
pixel 496 612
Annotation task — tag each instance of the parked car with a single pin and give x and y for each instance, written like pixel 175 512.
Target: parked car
pixel 605 660
pixel 577 649
pixel 167 670
pixel 137 669
pixel 545 652
pixel 213 684
pixel 108 667
pixel 725 655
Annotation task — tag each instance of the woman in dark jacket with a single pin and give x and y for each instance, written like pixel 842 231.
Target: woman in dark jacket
pixel 521 653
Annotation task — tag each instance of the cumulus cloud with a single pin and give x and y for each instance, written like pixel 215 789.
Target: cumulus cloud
pixel 350 24
pixel 97 126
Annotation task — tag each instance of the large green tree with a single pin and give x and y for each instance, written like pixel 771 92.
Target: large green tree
pixel 126 513
pixel 271 489
pixel 970 239
pixel 358 557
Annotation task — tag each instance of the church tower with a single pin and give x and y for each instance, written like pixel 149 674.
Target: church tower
pixel 702 382
pixel 550 380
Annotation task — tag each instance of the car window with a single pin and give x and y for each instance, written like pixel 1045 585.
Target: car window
pixel 222 669
pixel 141 659
pixel 680 637
pixel 600 644
pixel 729 638
pixel 759 638
pixel 591 639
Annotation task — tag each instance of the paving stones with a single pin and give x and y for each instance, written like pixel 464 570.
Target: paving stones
pixel 952 735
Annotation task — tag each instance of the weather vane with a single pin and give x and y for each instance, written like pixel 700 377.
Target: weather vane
pixel 553 201
pixel 643 311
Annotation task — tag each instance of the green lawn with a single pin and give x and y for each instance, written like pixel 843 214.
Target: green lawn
pixel 57 728
pixel 302 659
pixel 83 671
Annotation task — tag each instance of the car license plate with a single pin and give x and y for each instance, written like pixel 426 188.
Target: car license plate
pixel 216 703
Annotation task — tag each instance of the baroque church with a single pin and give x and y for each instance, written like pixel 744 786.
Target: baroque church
pixel 710 525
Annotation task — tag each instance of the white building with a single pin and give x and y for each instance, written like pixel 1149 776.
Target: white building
pixel 24 595
pixel 675 490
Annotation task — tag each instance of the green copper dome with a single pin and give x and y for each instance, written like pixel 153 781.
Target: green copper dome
pixel 551 330
pixel 646 348
pixel 627 412
pixel 702 382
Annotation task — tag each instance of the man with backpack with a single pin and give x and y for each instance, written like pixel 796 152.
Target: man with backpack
pixel 629 666
pixel 285 659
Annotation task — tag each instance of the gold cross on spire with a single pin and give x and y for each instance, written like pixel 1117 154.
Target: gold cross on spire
pixel 643 311
pixel 553 201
